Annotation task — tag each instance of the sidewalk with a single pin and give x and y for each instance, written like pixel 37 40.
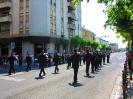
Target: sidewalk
pixel 5 68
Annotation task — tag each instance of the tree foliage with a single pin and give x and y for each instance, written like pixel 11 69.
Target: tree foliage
pixel 87 41
pixel 76 41
pixel 102 46
pixel 120 16
pixel 95 45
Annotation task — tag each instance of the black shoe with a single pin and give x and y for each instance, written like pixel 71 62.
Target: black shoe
pixel 74 83
pixel 87 75
pixel 9 74
pixel 40 76
pixel 44 74
pixel 57 70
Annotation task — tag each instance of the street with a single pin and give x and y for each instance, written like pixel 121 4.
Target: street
pixel 26 85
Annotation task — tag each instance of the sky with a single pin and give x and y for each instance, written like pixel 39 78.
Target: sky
pixel 93 18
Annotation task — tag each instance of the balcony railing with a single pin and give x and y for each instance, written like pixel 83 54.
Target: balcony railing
pixel 5 19
pixel 5 4
pixel 72 16
pixel 72 26
pixel 70 6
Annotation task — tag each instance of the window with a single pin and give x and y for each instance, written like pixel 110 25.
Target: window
pixel 21 18
pixel 4 27
pixel 27 3
pixel 27 31
pixel 27 21
pixel 27 18
pixel 21 32
pixel 21 25
pixel 27 25
pixel 21 4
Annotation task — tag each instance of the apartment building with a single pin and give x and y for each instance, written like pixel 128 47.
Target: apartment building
pixel 88 33
pixel 33 25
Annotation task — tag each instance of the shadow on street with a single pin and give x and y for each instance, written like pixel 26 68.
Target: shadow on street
pixel 75 84
pixel 39 78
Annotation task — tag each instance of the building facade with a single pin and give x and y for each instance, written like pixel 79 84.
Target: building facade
pixel 103 41
pixel 88 33
pixel 114 47
pixel 33 25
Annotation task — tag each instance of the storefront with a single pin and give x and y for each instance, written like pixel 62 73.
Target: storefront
pixel 30 44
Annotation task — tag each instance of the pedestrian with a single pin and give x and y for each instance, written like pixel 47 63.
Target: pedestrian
pixel 96 60
pixel 20 59
pixel 42 59
pixel 49 59
pixel 100 59
pixel 84 58
pixel 56 62
pixel 103 57
pixel 1 60
pixel 108 56
pixel 68 61
pixel 80 60
pixel 75 65
pixel 88 61
pixel 92 62
pixel 28 61
pixel 12 60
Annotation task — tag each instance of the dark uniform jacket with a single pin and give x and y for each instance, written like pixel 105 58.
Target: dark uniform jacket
pixel 88 57
pixel 56 59
pixel 42 59
pixel 75 60
pixel 12 60
pixel 28 59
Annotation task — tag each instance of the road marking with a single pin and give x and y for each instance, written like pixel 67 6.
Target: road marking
pixel 11 78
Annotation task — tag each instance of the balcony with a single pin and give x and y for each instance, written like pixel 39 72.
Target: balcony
pixel 72 16
pixel 6 4
pixel 71 26
pixel 70 6
pixel 5 19
pixel 5 34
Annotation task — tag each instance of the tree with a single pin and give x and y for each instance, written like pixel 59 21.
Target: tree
pixel 95 45
pixel 87 41
pixel 102 46
pixel 120 17
pixel 76 41
pixel 109 48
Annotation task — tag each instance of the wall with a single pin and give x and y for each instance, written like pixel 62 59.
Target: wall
pixel 15 17
pixel 39 15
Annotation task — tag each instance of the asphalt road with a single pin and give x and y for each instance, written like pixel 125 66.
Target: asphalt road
pixel 25 85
